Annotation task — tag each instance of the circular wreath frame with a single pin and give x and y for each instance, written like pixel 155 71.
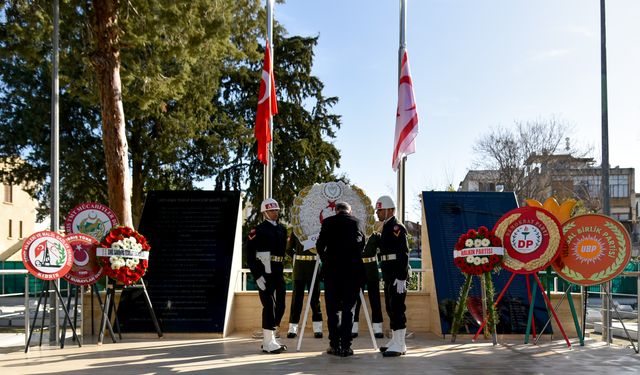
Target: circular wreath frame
pixel 124 274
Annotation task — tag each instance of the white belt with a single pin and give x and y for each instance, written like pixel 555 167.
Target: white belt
pixel 388 257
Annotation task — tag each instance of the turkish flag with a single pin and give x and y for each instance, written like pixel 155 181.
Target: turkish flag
pixel 406 117
pixel 267 107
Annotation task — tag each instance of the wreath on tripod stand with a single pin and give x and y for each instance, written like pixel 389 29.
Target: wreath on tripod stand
pixel 124 255
pixel 477 252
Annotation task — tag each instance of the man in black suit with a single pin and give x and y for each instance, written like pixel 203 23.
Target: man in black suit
pixel 340 246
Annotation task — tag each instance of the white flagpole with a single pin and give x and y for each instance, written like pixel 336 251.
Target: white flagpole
pixel 268 168
pixel 400 190
pixel 55 159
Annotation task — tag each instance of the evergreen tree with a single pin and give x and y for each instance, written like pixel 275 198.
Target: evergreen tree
pixel 190 74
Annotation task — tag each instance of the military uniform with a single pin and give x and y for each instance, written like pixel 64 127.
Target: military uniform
pixel 372 282
pixel 269 241
pixel 394 262
pixel 304 262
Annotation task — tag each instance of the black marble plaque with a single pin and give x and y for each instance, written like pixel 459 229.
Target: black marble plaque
pixel 450 214
pixel 192 236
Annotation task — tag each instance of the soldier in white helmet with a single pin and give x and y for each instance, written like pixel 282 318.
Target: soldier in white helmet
pixel 266 249
pixel 394 262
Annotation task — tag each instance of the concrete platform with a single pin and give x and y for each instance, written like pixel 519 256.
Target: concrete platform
pixel 240 354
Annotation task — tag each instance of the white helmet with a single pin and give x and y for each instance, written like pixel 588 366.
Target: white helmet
pixel 269 204
pixel 383 202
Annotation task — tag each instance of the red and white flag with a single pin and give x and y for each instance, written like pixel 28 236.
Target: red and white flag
pixel 406 117
pixel 267 107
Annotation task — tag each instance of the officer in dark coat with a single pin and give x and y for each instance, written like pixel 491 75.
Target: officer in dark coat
pixel 394 258
pixel 340 246
pixel 265 253
pixel 372 284
pixel 304 262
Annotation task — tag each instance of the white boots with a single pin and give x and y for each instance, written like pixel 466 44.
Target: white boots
pixel 293 331
pixel 317 329
pixel 393 339
pixel 377 330
pixel 269 343
pixel 396 347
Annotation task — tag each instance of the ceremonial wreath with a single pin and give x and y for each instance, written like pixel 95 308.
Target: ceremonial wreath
pixel 124 255
pixel 477 252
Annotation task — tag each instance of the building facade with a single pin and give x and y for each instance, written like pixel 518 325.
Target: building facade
pixel 564 176
pixel 17 219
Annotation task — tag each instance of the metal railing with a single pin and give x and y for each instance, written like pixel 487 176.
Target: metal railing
pixel 25 312
pixel 414 285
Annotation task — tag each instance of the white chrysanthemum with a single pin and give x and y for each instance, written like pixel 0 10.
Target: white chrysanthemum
pixel 113 259
pixel 133 240
pixel 116 245
pixel 468 243
pixel 128 263
pixel 115 265
pixel 137 246
pixel 477 242
pixel 477 261
pixel 470 259
pixel 126 243
pixel 135 261
pixel 486 242
pixel 485 260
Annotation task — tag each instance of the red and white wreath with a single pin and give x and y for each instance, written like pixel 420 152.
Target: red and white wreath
pixel 124 255
pixel 478 251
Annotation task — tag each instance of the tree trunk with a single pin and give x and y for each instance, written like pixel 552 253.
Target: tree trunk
pixel 106 59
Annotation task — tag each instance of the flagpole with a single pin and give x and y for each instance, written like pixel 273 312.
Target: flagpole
pixel 606 204
pixel 267 190
pixel 54 322
pixel 400 189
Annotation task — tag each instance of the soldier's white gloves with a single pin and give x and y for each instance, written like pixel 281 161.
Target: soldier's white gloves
pixel 261 283
pixel 401 286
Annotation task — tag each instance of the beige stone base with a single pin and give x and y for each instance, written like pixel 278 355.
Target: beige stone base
pixel 422 315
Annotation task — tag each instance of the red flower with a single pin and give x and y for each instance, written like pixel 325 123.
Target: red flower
pixel 471 233
pixel 495 241
pixel 483 231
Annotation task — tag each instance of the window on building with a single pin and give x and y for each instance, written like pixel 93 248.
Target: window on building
pixel 20 229
pixel 8 193
pixel 619 186
pixel 10 228
pixel 620 217
pixel 487 186
pixel 586 187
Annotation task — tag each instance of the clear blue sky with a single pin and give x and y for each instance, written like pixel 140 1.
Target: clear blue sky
pixel 475 64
